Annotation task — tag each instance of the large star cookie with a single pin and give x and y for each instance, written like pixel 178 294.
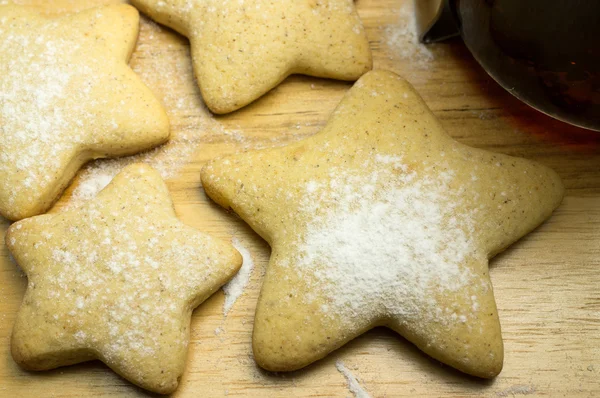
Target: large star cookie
pixel 242 49
pixel 115 280
pixel 67 96
pixel 381 219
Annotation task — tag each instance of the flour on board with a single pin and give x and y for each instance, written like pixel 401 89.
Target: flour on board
pixel 516 390
pixel 168 73
pixel 402 40
pixel 90 186
pixel 235 287
pixel 353 383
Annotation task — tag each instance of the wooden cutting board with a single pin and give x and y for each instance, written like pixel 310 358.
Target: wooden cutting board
pixel 547 285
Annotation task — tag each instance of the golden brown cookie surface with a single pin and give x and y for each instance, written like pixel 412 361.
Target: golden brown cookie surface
pixel 382 219
pixel 116 280
pixel 67 96
pixel 242 49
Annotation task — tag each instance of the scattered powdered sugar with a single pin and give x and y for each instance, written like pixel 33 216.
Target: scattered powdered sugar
pixel 90 187
pixel 390 241
pixel 402 39
pixel 235 287
pixel 164 66
pixel 353 382
pixel 516 390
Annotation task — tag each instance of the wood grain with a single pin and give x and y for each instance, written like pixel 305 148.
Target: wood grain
pixel 546 285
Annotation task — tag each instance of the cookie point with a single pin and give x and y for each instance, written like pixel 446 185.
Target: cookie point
pixel 23 354
pixel 486 365
pixel 140 169
pixel 17 351
pixel 127 9
pixel 166 387
pixel 489 370
pixel 382 74
pixel 9 238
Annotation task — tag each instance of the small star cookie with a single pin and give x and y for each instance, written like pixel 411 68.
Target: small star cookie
pixel 382 219
pixel 241 49
pixel 67 96
pixel 115 280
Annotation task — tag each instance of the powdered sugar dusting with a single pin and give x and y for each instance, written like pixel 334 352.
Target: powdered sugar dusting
pixel 235 287
pixel 517 390
pixel 385 246
pixel 353 383
pixel 119 275
pixel 34 82
pixel 402 40
pixel 138 271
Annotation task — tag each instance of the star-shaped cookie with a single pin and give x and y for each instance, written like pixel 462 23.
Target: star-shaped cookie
pixel 67 96
pixel 242 49
pixel 115 280
pixel 382 219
